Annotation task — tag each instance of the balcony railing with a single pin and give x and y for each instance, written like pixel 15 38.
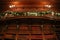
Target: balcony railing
pixel 44 14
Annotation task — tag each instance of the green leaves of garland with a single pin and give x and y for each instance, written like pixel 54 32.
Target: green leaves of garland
pixel 42 13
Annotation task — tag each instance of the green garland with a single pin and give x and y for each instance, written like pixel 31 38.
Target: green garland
pixel 26 14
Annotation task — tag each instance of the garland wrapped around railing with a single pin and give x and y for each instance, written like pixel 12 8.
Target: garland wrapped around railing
pixel 42 13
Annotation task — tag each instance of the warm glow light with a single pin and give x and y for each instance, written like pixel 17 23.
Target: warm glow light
pixel 44 2
pixel 48 6
pixel 16 3
pixel 11 6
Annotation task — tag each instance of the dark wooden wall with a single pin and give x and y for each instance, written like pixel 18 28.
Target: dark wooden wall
pixel 30 29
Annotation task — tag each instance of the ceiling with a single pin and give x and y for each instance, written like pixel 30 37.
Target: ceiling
pixel 4 4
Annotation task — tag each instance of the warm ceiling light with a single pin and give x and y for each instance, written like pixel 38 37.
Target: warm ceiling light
pixel 48 6
pixel 15 3
pixel 11 6
pixel 44 2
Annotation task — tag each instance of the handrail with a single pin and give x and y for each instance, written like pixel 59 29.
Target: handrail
pixel 40 17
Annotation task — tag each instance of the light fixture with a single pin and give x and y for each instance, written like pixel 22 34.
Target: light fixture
pixel 48 6
pixel 11 6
